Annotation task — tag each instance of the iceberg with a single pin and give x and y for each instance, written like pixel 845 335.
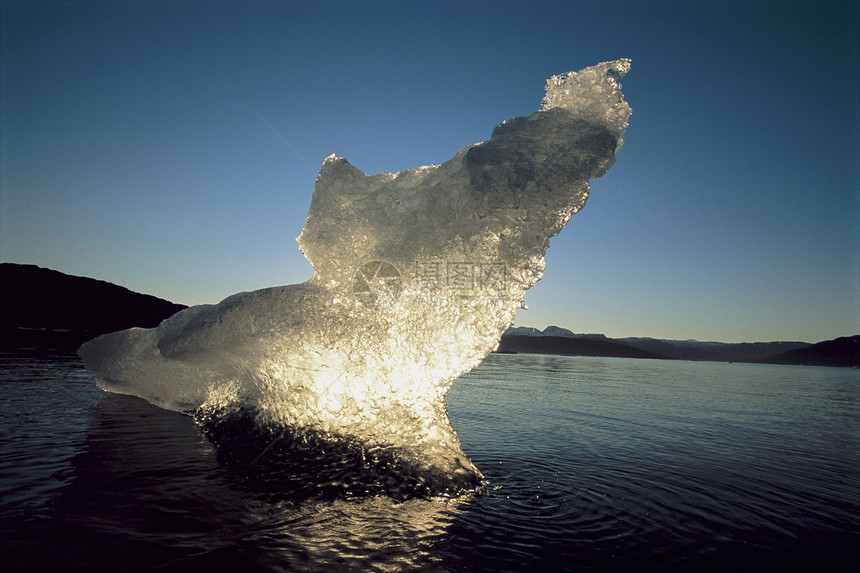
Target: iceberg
pixel 416 276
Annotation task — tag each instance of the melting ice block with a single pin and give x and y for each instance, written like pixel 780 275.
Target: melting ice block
pixel 416 276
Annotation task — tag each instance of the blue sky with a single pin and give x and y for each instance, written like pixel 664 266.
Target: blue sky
pixel 133 152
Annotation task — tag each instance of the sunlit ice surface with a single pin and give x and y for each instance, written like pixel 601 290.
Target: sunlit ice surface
pixel 416 276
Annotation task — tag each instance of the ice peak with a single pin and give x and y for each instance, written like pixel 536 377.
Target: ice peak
pixel 593 94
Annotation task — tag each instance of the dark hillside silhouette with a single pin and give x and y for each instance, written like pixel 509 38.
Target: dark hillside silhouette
pixel 838 352
pixel 573 346
pixel 43 307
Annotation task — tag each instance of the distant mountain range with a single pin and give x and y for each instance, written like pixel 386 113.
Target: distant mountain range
pixel 44 308
pixel 843 351
pixel 575 346
pixel 49 309
pixel 556 340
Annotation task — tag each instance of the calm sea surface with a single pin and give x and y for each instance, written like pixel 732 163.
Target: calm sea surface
pixel 593 464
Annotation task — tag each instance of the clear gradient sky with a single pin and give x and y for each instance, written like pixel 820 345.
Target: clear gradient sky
pixel 135 146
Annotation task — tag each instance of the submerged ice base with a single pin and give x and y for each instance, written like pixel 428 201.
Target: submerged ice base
pixel 416 276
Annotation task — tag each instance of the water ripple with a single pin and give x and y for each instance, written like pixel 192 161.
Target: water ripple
pixel 591 465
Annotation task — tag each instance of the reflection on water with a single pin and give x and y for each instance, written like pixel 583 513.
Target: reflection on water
pixel 43 422
pixel 149 484
pixel 593 464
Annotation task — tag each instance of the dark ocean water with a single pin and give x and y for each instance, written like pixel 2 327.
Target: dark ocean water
pixel 592 464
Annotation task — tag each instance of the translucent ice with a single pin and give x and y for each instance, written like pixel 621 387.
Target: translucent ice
pixel 416 276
